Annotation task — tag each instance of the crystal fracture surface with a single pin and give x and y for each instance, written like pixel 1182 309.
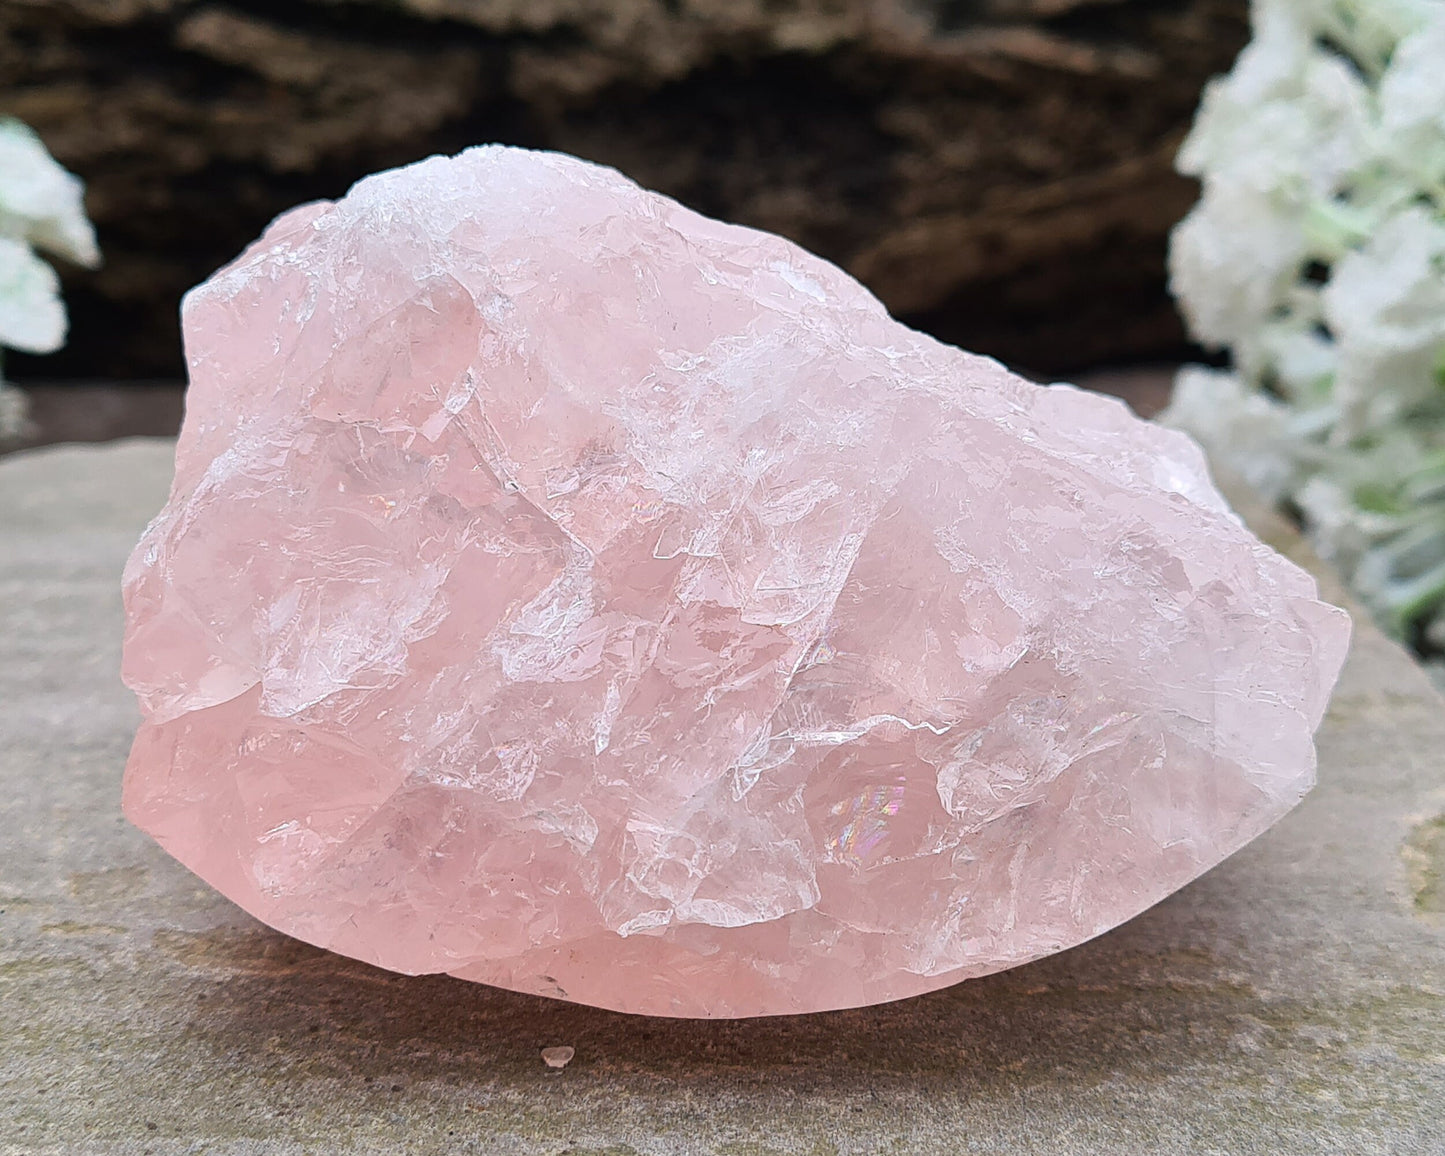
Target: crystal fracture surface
pixel 575 594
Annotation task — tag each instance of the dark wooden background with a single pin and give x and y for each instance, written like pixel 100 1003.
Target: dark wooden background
pixel 998 171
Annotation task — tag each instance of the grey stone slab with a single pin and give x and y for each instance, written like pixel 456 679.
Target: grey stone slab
pixel 1291 1001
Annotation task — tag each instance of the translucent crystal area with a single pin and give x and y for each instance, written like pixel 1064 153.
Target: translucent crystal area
pixel 569 592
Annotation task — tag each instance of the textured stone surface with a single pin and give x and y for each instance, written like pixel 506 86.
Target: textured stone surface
pixel 998 168
pixel 1289 1003
pixel 569 592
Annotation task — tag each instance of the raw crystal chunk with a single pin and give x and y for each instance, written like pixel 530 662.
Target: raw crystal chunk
pixel 572 593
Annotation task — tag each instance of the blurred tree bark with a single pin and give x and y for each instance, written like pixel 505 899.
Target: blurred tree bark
pixel 998 171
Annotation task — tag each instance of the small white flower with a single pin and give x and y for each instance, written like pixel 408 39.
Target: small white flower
pixel 1273 62
pixel 1290 117
pixel 1335 523
pixel 1385 305
pixel 31 315
pixel 1248 432
pixel 1369 29
pixel 40 203
pixel 41 207
pixel 1412 104
pixel 1232 260
pixel 1299 355
pixel 1268 71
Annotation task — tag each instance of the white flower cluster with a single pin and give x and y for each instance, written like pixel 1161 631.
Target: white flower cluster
pixel 1316 256
pixel 41 207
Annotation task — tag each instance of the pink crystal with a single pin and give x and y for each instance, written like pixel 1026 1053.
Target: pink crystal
pixel 569 592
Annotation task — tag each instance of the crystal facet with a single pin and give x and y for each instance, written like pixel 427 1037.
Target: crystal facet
pixel 575 594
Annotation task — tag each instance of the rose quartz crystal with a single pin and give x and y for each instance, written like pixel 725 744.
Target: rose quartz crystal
pixel 569 592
